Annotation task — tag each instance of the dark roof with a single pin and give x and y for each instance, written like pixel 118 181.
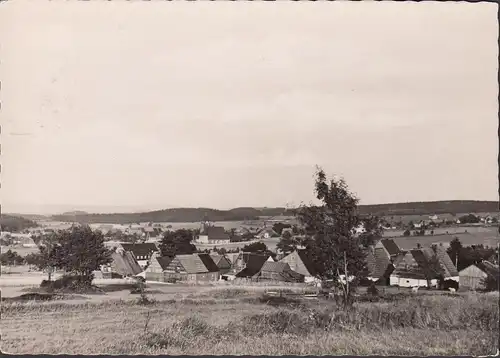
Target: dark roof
pixel 391 247
pixel 254 263
pixel 164 261
pixel 192 263
pixel 216 233
pixel 489 268
pixel 208 262
pixel 124 263
pixel 445 260
pixel 378 263
pixel 307 261
pixel 142 249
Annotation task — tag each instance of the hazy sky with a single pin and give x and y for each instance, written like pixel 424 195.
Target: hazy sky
pixel 146 105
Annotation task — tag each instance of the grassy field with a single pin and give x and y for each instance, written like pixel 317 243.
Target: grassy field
pixel 235 321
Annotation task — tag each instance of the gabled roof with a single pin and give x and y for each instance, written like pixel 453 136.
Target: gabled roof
pixel 253 264
pixel 192 263
pixel 378 263
pixel 275 266
pixel 232 257
pixel 391 247
pixel 445 260
pixel 124 263
pixel 209 263
pixel 163 261
pixel 307 261
pixel 489 268
pixel 215 233
pixel 142 249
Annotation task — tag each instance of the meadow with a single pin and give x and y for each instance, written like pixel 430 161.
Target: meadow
pixel 243 320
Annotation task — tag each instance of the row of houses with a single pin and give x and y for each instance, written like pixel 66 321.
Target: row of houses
pixel 387 265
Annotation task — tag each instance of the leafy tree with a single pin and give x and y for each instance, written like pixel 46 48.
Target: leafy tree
pixel 490 283
pixel 407 233
pixel 287 243
pixel 255 247
pixel 330 240
pixel 80 251
pixel 177 243
pixel 373 231
pixel 278 227
pixel 11 258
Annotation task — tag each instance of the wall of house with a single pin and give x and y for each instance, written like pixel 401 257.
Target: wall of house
pixel 471 278
pixel 154 267
pixel 204 277
pixel 203 239
pixel 410 282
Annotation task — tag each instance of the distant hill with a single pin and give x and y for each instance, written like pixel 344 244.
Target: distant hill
pixel 76 212
pixel 15 223
pixel 33 217
pixel 247 213
pixel 430 207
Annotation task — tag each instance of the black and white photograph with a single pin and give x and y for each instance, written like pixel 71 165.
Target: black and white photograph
pixel 249 178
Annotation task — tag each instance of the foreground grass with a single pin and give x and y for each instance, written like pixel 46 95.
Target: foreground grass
pixel 241 321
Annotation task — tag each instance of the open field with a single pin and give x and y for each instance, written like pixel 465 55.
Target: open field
pixel 237 321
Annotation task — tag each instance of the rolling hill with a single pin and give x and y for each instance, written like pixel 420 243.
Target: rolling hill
pixel 248 213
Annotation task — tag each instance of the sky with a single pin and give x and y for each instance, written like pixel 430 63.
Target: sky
pixel 123 106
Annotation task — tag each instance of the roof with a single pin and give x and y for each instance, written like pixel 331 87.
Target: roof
pixel 216 233
pixel 307 261
pixel 275 266
pixel 391 247
pixel 445 260
pixel 232 257
pixel 209 263
pixel 378 263
pixel 216 258
pixel 143 249
pixel 489 268
pixel 124 263
pixel 164 261
pixel 192 263
pixel 254 263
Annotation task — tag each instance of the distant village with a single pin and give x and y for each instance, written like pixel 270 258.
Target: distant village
pixel 136 253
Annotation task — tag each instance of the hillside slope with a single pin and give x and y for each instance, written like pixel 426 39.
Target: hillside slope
pixel 246 213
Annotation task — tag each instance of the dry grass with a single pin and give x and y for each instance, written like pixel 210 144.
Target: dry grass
pixel 237 321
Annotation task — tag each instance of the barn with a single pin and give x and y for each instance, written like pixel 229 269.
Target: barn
pixel 157 267
pixel 222 262
pixel 123 264
pixel 192 268
pixel 471 277
pixel 278 271
pixel 300 262
pixel 141 251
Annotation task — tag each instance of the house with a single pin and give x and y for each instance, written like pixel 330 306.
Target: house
pixel 213 235
pixel 232 257
pixel 157 268
pixel 418 225
pixel 471 277
pixel 150 232
pixel 267 233
pixel 123 264
pixel 222 262
pixel 380 264
pixel 278 271
pixel 433 217
pixel 410 270
pixel 300 262
pixel 287 229
pixel 248 264
pixel 192 268
pixel 450 271
pixel 141 251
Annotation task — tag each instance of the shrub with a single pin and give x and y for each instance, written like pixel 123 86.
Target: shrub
pixel 73 283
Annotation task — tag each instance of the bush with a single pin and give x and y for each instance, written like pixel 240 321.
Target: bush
pixel 373 290
pixel 73 283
